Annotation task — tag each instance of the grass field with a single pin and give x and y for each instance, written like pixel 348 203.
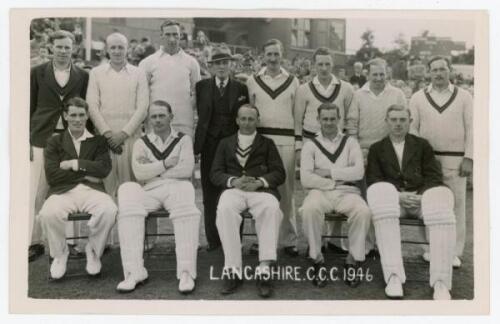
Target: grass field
pixel 162 283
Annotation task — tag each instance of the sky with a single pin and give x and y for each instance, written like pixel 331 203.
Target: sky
pixel 386 30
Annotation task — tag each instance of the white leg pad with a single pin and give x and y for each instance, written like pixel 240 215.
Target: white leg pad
pixel 437 211
pixel 383 199
pixel 131 215
pixel 186 230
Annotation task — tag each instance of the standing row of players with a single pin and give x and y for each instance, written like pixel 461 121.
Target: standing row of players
pixel 119 94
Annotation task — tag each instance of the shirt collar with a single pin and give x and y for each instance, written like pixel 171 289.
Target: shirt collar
pixel 124 68
pixel 162 52
pixel 67 70
pixel 218 81
pixel 366 87
pixel 86 134
pixel 332 82
pixel 450 88
pixel 335 139
pixel 251 136
pixel 282 72
pixel 156 139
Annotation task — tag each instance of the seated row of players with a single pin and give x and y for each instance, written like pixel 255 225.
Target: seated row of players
pixel 403 177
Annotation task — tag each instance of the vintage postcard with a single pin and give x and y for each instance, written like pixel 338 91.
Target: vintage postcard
pixel 249 162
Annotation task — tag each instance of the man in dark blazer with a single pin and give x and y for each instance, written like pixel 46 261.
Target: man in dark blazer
pixel 75 164
pixel 52 84
pixel 249 168
pixel 218 100
pixel 405 179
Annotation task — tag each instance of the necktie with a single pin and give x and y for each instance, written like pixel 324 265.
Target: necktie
pixel 221 88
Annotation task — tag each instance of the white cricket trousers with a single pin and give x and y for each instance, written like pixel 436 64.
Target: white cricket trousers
pixel 437 211
pixel 288 231
pixel 266 212
pixel 38 191
pixel 134 204
pixel 347 202
pixel 55 211
pixel 458 186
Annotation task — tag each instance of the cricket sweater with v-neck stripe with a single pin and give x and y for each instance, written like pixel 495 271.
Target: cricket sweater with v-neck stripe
pixel 274 97
pixel 445 120
pixel 151 151
pixel 310 96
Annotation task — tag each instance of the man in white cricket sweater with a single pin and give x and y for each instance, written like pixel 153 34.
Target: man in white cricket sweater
pixel 330 165
pixel 405 179
pixel 272 91
pixel 172 75
pixel 163 162
pixel 442 114
pixel 366 116
pixel 324 88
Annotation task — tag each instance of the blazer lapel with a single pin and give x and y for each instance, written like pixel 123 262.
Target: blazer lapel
pixel 86 146
pixel 68 146
pixel 391 154
pixel 409 150
pixel 231 87
pixel 74 78
pixel 257 142
pixel 50 79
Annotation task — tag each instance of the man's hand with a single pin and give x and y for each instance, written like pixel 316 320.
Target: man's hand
pixel 92 179
pixel 297 157
pixel 240 182
pixel 171 162
pixel 143 160
pixel 252 185
pixel 324 173
pixel 466 167
pixel 409 200
pixel 68 165
pixel 117 138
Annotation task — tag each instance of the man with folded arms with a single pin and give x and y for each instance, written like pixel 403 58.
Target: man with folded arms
pixel 330 165
pixel 248 166
pixel 405 179
pixel 163 162
pixel 75 164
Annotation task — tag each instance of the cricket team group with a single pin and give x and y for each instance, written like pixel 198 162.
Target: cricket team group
pixel 367 154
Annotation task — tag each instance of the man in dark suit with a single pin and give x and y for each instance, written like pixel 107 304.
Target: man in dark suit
pixel 218 100
pixel 405 179
pixel 358 79
pixel 52 84
pixel 75 164
pixel 248 166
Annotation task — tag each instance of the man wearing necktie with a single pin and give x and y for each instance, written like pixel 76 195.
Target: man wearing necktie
pixel 218 100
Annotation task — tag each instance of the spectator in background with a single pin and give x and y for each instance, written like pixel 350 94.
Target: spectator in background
pixel 304 73
pixel 358 78
pixel 148 47
pixel 135 52
pixel 42 57
pixel 342 76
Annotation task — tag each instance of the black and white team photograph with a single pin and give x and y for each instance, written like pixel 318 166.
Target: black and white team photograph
pixel 251 158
